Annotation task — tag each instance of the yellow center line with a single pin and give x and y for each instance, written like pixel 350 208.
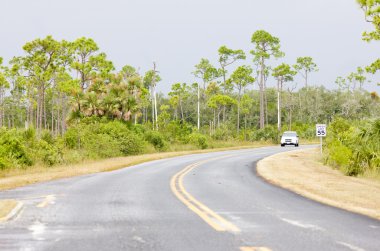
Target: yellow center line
pixel 210 217
pixel 48 199
pixel 254 249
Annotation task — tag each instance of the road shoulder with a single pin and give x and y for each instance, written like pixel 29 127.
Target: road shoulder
pixel 301 172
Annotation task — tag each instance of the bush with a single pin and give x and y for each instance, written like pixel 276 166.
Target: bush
pixel 101 146
pixel 268 133
pixel 339 155
pixel 130 143
pixel 12 149
pixel 177 130
pixel 199 140
pixel 354 147
pixel 50 154
pixel 222 133
pixel 156 139
pixel 72 138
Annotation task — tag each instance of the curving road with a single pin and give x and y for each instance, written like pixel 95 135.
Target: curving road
pixel 212 201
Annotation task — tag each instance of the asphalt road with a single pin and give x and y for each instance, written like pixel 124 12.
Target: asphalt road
pixel 212 201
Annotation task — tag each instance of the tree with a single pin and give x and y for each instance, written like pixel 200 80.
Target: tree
pixel 180 92
pixel 371 10
pixel 218 101
pixel 266 46
pixel 227 57
pixel 151 79
pixel 87 62
pixel 282 73
pixel 206 72
pixel 4 84
pixel 304 66
pixel 39 67
pixel 246 104
pixel 132 78
pixel 241 77
pixel 356 78
pixel 342 83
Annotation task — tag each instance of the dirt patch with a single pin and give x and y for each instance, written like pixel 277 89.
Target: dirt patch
pixel 6 206
pixel 302 172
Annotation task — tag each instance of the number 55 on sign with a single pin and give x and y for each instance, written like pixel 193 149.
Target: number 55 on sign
pixel 321 130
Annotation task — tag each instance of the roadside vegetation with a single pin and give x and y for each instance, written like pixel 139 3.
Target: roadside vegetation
pixel 63 102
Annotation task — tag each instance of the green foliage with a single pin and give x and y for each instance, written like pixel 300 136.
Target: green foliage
pixel 199 140
pixel 99 145
pixel 72 138
pixel 130 143
pixel 49 153
pixel 339 154
pixel 354 148
pixel 156 139
pixel 12 150
pixel 269 133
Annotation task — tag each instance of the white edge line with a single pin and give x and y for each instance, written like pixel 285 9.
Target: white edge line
pixel 351 247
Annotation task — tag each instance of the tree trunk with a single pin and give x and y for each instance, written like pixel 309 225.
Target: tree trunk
pixel 279 84
pixel 153 120
pixel 198 109
pixel 155 107
pixel 262 119
pixel 238 111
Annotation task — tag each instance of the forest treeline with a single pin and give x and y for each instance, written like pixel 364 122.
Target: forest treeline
pixel 64 101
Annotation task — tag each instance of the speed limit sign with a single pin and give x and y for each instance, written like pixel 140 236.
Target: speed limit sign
pixel 320 130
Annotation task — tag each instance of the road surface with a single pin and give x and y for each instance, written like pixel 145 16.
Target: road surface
pixel 212 201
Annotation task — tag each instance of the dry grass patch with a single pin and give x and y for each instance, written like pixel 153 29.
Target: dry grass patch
pixel 302 172
pixel 21 177
pixel 6 206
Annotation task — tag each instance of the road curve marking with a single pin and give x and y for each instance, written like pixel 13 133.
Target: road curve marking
pixel 210 217
pixel 48 200
pixel 254 249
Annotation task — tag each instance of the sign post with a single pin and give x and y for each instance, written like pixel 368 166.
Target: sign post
pixel 320 131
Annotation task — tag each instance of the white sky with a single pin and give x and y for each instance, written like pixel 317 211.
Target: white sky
pixel 178 33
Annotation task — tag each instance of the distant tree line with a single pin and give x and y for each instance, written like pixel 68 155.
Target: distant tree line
pixel 57 83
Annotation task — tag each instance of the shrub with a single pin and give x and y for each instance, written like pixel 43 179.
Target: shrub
pixel 72 138
pixel 221 133
pixel 265 134
pixel 130 143
pixel 12 148
pixel 156 139
pixel 49 153
pixel 339 155
pixel 199 140
pixel 101 146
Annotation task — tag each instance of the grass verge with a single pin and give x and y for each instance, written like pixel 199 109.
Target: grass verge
pixel 6 206
pixel 20 177
pixel 302 172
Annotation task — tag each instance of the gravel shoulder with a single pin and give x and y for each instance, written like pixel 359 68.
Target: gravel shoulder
pixel 301 172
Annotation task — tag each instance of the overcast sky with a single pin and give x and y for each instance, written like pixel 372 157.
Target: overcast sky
pixel 177 33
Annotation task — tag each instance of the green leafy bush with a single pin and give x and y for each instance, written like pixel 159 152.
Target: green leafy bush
pixel 130 143
pixel 156 139
pixel 354 147
pixel 99 145
pixel 50 154
pixel 268 133
pixel 72 138
pixel 199 140
pixel 12 149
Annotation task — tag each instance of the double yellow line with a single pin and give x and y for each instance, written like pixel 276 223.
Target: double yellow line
pixel 210 217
